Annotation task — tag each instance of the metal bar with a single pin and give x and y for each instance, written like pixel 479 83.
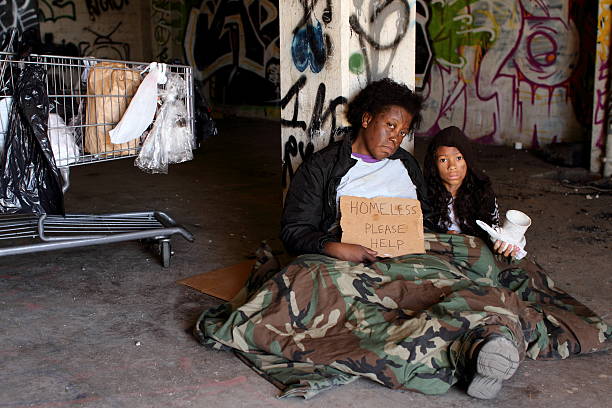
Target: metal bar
pixel 53 246
pixel 18 233
pixel 99 226
pixel 167 221
pixel 71 224
pixel 19 236
pixel 21 228
pixel 66 58
pixel 17 223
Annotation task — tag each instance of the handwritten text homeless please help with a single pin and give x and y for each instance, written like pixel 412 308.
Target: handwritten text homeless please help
pixel 390 226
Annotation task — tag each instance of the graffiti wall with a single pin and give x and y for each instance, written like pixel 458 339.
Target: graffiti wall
pixel 233 46
pixel 507 71
pixel 330 49
pixel 112 29
pixel 601 97
pixel 168 21
pixel 16 17
pixel 504 71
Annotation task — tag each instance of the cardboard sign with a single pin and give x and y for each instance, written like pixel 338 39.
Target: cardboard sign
pixel 390 226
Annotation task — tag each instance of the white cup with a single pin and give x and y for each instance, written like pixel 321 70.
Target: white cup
pixel 515 225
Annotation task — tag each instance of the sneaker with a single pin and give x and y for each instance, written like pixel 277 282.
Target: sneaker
pixel 498 360
pixel 483 387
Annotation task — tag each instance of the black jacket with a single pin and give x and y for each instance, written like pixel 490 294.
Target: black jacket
pixel 310 205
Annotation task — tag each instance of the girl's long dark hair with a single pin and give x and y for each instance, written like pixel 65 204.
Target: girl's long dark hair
pixel 475 199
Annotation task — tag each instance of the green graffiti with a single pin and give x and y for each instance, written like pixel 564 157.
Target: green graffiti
pixel 356 63
pixel 452 26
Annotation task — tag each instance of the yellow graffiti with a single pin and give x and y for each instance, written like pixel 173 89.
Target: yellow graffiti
pixel 604 26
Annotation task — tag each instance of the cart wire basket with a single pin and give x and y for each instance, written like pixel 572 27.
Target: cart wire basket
pixel 87 98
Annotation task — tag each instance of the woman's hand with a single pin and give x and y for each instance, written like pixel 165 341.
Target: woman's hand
pixel 505 249
pixel 349 252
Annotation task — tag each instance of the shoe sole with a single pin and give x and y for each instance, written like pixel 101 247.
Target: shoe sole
pixel 484 387
pixel 498 359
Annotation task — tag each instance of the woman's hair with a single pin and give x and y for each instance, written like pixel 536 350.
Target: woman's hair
pixel 475 199
pixel 377 96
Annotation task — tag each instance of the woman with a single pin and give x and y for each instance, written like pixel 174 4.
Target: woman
pixel 368 163
pixel 460 194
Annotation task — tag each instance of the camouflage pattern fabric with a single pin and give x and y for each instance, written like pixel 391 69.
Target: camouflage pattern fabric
pixel 411 322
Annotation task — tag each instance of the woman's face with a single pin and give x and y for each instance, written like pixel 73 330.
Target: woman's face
pixel 452 167
pixel 380 136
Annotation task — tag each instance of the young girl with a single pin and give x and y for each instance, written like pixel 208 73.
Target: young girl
pixel 459 192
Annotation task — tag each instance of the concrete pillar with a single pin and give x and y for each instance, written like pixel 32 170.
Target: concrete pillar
pixel 601 91
pixel 329 50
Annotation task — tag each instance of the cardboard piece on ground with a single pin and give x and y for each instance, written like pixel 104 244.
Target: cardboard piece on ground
pixel 222 283
pixel 390 226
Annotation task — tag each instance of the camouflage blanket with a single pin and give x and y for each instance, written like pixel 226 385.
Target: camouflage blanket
pixel 410 322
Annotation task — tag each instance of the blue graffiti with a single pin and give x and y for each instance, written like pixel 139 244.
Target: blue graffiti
pixel 308 48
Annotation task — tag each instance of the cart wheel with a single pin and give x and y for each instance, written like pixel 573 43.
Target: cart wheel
pixel 166 252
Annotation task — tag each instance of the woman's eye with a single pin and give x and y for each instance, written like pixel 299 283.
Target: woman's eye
pixel 391 125
pixel 459 157
pixel 442 160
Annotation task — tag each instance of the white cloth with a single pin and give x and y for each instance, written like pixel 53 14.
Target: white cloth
pixel 384 178
pixel 63 141
pixel 5 112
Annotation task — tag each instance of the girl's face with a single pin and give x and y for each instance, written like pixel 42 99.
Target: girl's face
pixel 380 136
pixel 452 168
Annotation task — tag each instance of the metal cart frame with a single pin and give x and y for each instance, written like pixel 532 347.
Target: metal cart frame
pixel 71 95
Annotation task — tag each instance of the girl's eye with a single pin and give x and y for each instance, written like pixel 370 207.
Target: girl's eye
pixel 459 157
pixel 442 159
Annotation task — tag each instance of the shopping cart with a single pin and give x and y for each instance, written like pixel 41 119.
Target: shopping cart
pixel 87 99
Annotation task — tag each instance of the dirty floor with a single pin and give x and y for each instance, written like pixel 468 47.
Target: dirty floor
pixel 107 326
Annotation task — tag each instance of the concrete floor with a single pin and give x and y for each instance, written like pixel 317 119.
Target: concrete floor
pixel 107 326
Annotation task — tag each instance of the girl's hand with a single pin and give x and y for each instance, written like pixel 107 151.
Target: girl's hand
pixel 349 252
pixel 505 249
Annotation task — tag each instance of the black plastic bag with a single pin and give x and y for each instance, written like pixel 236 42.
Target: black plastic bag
pixel 205 125
pixel 29 179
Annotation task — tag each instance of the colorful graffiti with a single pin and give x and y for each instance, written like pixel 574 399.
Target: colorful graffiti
pixel 502 71
pixel 311 123
pixel 234 46
pixel 371 42
pixel 310 45
pixel 322 78
pixel 451 28
pixel 601 101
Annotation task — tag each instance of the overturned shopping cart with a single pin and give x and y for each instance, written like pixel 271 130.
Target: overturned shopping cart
pixel 87 98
